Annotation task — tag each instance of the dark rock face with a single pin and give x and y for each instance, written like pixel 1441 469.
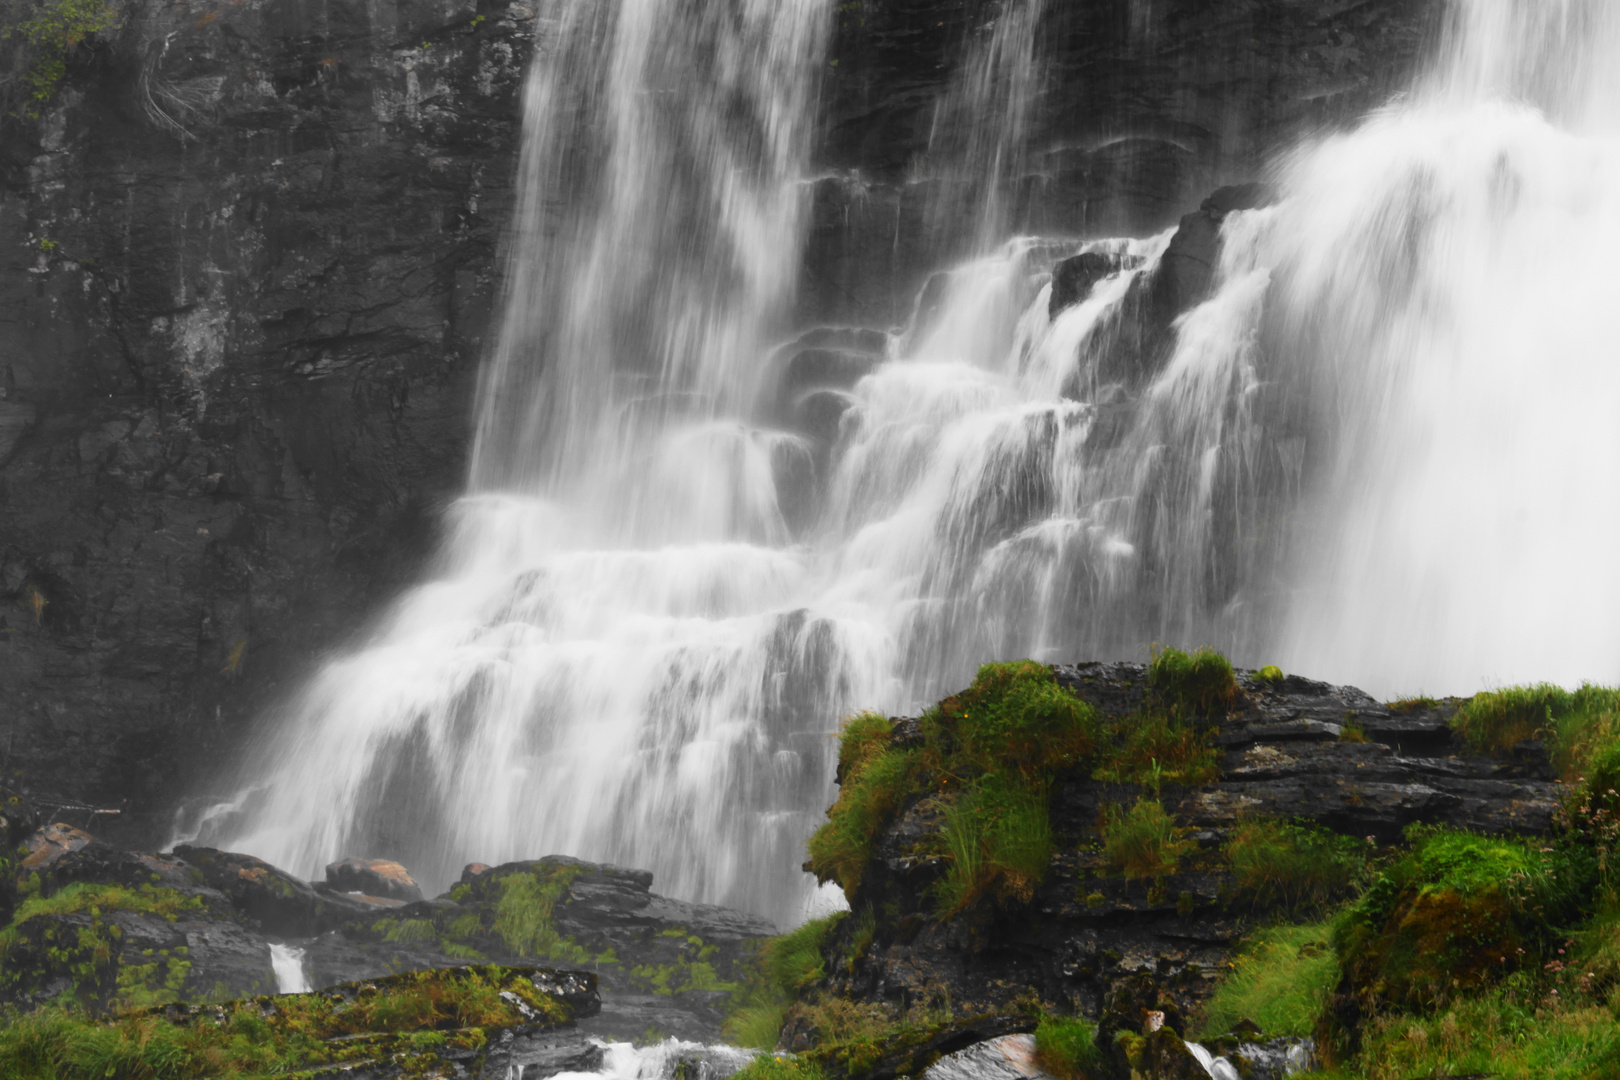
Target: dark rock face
pixel 1111 947
pixel 236 356
pixel 250 267
pixel 1185 274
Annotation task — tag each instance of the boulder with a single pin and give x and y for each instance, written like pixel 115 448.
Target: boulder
pixel 373 877
pixel 1188 268
pixel 274 900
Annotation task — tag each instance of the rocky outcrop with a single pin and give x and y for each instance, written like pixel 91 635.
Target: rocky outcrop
pixel 1098 940
pixel 145 928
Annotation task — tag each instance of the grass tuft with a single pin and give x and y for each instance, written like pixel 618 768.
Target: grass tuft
pixel 1066 1047
pixel 1292 865
pixel 1143 842
pixel 1280 978
pixel 1199 683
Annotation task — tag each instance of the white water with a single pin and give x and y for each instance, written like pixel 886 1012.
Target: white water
pixel 1380 453
pixel 1448 297
pixel 287 961
pixel 622 1061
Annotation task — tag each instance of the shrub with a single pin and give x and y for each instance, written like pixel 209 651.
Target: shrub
pixel 1066 1047
pixel 53 30
pixel 998 836
pixel 1144 842
pixel 1277 863
pixel 1280 978
pixel 1456 912
pixel 1153 749
pixel 1197 683
pixel 874 780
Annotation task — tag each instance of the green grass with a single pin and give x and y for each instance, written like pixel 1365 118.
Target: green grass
pixel 1271 673
pixel 1279 978
pixel 523 914
pixel 1144 841
pixel 1066 1047
pixel 779 1067
pixel 1153 749
pixel 1199 683
pixel 989 754
pixel 998 836
pixel 1575 724
pixel 1506 1034
pixel 1421 703
pixel 787 966
pixel 403 1017
pixel 1292 865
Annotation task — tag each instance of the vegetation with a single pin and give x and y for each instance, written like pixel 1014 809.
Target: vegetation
pixel 1271 673
pixel 779 1067
pixel 1066 1047
pixel 51 31
pixel 786 967
pixel 1292 865
pixel 1143 842
pixel 1197 683
pixel 1152 749
pixel 989 754
pixel 406 1018
pixel 1574 724
pixel 1280 979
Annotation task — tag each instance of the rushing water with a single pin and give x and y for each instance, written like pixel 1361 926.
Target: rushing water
pixel 1380 452
pixel 287 961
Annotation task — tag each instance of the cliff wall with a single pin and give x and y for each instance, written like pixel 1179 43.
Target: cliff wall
pixel 248 261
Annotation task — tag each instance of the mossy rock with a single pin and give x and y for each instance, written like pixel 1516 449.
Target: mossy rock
pixel 1436 944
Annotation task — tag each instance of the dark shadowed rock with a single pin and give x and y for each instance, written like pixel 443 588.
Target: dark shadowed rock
pixel 274 900
pixel 1184 276
pixel 373 877
pixel 1073 278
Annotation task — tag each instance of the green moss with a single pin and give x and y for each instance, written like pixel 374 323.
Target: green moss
pixel 1420 703
pixel 1455 913
pixel 1153 749
pixel 401 1018
pixel 1292 865
pixel 1066 1047
pixel 1199 683
pixel 1280 977
pixel 874 779
pixel 1271 673
pixel 1143 842
pixel 779 1067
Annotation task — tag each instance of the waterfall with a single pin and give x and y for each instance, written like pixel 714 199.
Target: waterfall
pixel 1377 452
pixel 287 961
pixel 1444 301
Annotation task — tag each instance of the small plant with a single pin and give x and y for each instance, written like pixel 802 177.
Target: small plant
pixel 1144 841
pixel 998 835
pixel 1066 1047
pixel 1277 863
pixel 1271 673
pixel 1199 683
pixel 1280 978
pixel 1153 749
pixel 54 30
pixel 1413 704
pixel 1351 731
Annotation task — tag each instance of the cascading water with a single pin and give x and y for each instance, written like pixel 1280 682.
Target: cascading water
pixel 679 566
pixel 1444 305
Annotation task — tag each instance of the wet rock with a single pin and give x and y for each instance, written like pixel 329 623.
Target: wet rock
pixel 273 899
pixel 1188 267
pixel 49 844
pixel 1010 1057
pixel 1073 278
pixel 373 877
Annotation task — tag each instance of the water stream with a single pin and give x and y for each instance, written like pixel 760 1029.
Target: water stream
pixel 1379 453
pixel 287 961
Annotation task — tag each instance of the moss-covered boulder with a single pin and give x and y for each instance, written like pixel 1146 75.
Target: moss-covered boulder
pixel 480 1021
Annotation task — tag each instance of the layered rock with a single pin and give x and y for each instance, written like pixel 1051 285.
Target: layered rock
pixel 1093 938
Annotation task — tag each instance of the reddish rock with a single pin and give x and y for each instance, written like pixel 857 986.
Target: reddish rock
pixel 380 878
pixel 50 844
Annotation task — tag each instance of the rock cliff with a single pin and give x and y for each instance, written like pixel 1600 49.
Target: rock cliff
pixel 249 259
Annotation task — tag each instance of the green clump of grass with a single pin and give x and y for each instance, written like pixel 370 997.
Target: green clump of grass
pixel 1271 673
pixel 779 1067
pixel 1280 978
pixel 786 967
pixel 874 778
pixel 1511 1033
pixel 524 909
pixel 1144 841
pixel 1199 683
pixel 1576 724
pixel 1153 749
pixel 1066 1047
pixel 989 754
pixel 1457 912
pixel 1292 864
pixel 998 835
pixel 1413 704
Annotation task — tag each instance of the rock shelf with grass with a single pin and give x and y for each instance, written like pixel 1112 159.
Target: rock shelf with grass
pixel 1118 856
